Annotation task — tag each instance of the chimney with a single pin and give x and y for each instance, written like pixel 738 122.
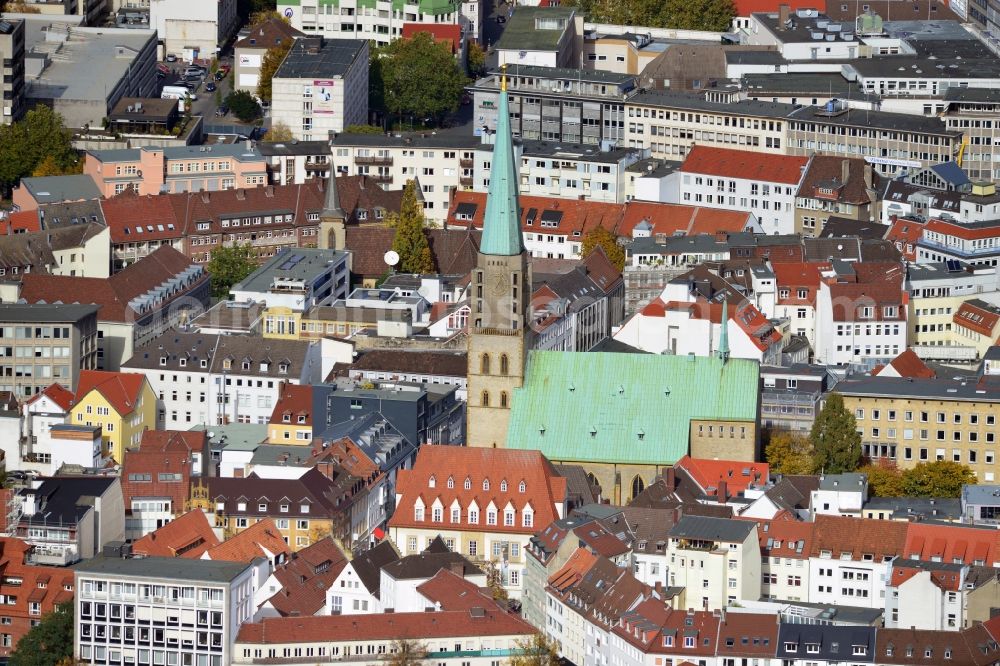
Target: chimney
pixel 869 176
pixel 269 191
pixel 845 171
pixel 457 568
pixel 671 479
pixel 241 194
pixel 783 13
pixel 722 493
pixel 204 197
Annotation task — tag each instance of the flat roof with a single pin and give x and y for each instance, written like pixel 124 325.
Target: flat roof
pixel 56 189
pixel 171 568
pixel 744 107
pixel 320 58
pixel 293 264
pixel 239 151
pixel 874 119
pixel 417 139
pixel 45 313
pixel 918 67
pixel 803 83
pixel 985 95
pixel 293 147
pixel 560 73
pixel 521 33
pixel 89 64
pixel 905 387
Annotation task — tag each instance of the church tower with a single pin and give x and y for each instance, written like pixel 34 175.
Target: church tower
pixel 332 219
pixel 500 298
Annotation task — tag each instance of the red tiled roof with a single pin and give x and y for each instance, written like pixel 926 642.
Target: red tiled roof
pixel 544 489
pixel 396 626
pixel 950 543
pixel 977 318
pixel 21 221
pixel 120 389
pixel 877 285
pixel 294 401
pixel 904 234
pixel 672 218
pixel 961 231
pixel 858 536
pixel 946 580
pixel 161 452
pixel 188 535
pixel 38 584
pixel 453 592
pixel 262 539
pixel 795 275
pixel 112 294
pixel 133 218
pixel 305 578
pixel 600 540
pixel 747 164
pixel 737 475
pixel 575 568
pixel 785 538
pixel 448 33
pixel 57 393
pixel 908 364
pixel 747 317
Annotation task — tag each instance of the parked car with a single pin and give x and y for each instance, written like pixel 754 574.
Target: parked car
pixel 210 87
pixel 221 111
pixel 171 57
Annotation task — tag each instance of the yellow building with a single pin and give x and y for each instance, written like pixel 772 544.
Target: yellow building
pixel 121 403
pixel 909 421
pixel 291 421
pixel 281 323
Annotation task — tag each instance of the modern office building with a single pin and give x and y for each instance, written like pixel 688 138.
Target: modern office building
pixel 12 67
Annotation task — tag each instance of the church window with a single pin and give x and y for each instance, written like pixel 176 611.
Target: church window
pixel 504 364
pixel 484 364
pixel 637 485
pixel 485 399
pixel 503 399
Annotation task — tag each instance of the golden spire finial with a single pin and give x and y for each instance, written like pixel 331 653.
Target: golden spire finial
pixel 503 77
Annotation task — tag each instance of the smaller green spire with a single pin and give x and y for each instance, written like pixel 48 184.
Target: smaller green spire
pixel 502 223
pixel 723 351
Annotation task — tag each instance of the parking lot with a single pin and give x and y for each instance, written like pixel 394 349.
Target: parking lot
pixel 207 101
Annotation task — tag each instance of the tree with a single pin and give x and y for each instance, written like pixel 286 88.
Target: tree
pixel 494 581
pixel 47 167
pixel 940 478
pixel 279 132
pixel 884 480
pixel 789 454
pixel 608 242
pixel 411 239
pixel 476 58
pixel 243 105
pixel 362 129
pixel 229 265
pixel 269 65
pixel 835 439
pixel 711 15
pixel 49 642
pixel 535 651
pixel 26 144
pixel 264 15
pixel 405 652
pixel 419 76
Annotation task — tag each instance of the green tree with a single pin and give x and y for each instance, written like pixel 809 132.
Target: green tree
pixel 494 581
pixel 419 76
pixel 410 240
pixel 243 105
pixel 39 137
pixel 789 454
pixel 711 15
pixel 608 242
pixel 476 58
pixel 535 651
pixel 49 642
pixel 940 478
pixel 884 480
pixel 404 652
pixel 362 129
pixel 269 65
pixel 835 439
pixel 47 167
pixel 279 132
pixel 264 15
pixel 229 265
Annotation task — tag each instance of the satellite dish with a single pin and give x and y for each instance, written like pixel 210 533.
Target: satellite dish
pixel 391 257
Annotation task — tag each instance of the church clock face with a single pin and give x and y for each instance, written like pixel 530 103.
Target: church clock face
pixel 499 285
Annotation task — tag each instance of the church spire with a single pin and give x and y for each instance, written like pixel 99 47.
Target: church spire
pixel 331 202
pixel 502 225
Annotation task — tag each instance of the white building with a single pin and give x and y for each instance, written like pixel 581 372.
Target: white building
pixel 926 595
pixel 176 611
pixel 215 379
pixel 716 560
pixel 193 31
pixel 731 179
pixel 321 87
pixel 298 279
pixel 802 35
pixel 785 546
pixel 356 590
pixel 839 495
pixel 850 560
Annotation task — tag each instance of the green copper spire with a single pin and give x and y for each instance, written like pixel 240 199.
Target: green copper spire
pixel 723 350
pixel 502 225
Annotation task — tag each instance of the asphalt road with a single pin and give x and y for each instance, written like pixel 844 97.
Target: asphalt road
pixel 206 104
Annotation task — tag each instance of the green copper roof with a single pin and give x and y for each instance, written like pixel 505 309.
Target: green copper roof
pixel 626 408
pixel 502 224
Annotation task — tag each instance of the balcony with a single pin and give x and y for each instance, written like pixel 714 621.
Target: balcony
pixel 381 178
pixel 465 181
pixel 317 166
pixel 47 555
pixel 466 163
pixel 369 159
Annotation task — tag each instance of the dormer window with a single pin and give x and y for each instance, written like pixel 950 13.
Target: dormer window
pixel 302 418
pixel 521 487
pixel 246 365
pixel 283 368
pixel 486 484
pixel 264 365
pixel 451 482
pixel 182 362
pixel 418 513
pixel 432 482
pixel 163 360
pixel 286 418
pixel 503 486
pixel 227 364
pixel 203 363
pixel 468 483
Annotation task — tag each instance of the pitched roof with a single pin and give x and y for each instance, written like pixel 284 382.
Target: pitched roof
pixel 487 621
pixel 112 294
pixel 785 538
pixel 262 539
pixel 745 164
pixel 828 170
pixel 454 250
pixel 368 565
pixel 859 537
pixel 56 392
pixel 121 390
pixel 486 470
pixel 161 466
pixel 951 543
pixel 270 33
pixel 448 33
pixel 295 401
pixel 908 364
pixel 737 475
pixel 443 363
pixel 977 315
pixel 618 403
pixel 188 535
pixel 305 577
pixel 453 591
pixel 312 489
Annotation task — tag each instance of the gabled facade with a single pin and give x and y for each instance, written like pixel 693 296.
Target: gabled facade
pixel 122 404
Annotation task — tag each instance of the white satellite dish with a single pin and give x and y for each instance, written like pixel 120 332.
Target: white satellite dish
pixel 391 257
